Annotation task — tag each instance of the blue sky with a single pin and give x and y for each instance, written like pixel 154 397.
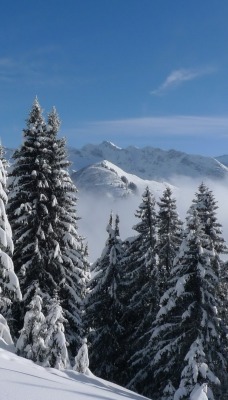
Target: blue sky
pixel 135 72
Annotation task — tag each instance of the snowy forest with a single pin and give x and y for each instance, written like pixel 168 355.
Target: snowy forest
pixel 149 314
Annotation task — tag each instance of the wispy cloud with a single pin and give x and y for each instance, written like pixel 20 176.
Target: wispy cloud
pixel 206 134
pixel 164 125
pixel 179 76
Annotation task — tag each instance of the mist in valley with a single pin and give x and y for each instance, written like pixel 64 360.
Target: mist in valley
pixel 94 210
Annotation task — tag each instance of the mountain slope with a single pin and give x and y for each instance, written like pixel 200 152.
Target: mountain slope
pixel 148 162
pixel 22 379
pixel 223 159
pixel 106 179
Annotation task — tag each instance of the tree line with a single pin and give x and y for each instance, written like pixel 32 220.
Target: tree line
pixel 153 307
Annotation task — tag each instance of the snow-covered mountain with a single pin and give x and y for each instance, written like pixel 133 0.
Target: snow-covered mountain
pixel 106 179
pixel 223 159
pixel 22 379
pixel 149 163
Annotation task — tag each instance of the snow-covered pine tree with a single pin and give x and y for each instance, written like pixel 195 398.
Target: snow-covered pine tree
pixel 104 308
pixel 28 210
pixel 185 344
pixel 9 284
pixel 30 343
pixel 63 227
pixel 169 235
pixel 49 253
pixel 56 354
pixel 82 358
pixel 141 279
pixel 206 206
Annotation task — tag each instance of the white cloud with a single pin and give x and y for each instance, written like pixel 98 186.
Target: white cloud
pixel 93 225
pixel 178 76
pixel 164 125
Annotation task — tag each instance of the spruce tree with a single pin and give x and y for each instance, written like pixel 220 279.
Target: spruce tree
pixel 82 359
pixel 104 308
pixel 141 281
pixel 30 343
pixel 56 354
pixel 185 344
pixel 49 253
pixel 73 264
pixel 169 235
pixel 206 206
pixel 9 284
pixel 28 210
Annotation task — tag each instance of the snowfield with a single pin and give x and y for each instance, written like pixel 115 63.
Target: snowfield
pixel 21 379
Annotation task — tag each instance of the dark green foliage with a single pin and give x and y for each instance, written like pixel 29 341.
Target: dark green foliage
pixel 49 253
pixel 185 344
pixel 141 279
pixel 63 223
pixel 104 309
pixel 169 232
pixel 36 254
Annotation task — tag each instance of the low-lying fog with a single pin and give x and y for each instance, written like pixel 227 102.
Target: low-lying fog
pixel 95 211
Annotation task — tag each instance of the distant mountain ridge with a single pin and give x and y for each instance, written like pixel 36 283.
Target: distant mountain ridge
pixel 149 163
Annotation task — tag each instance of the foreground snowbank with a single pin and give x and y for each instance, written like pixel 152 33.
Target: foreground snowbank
pixel 22 379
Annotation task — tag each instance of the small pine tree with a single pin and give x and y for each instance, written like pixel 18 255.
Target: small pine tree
pixel 30 343
pixel 82 359
pixel 56 354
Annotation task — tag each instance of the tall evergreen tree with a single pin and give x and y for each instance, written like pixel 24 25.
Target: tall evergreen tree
pixel 29 212
pixel 141 281
pixel 104 308
pixel 63 224
pixel 49 253
pixel 9 284
pixel 185 345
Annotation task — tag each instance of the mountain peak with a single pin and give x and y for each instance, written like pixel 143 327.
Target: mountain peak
pixel 110 145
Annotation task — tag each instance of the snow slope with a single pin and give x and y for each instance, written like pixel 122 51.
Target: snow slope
pixel 21 379
pixel 107 179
